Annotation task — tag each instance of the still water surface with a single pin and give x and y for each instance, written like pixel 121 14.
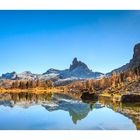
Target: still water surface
pixel 63 112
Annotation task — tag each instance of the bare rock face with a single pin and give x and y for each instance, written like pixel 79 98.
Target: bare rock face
pixel 81 70
pixel 135 61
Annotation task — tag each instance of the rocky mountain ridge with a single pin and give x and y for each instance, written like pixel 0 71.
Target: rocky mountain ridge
pixel 77 70
pixel 134 62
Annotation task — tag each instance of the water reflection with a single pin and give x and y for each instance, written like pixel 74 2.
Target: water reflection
pixel 84 115
pixel 130 110
pixel 51 102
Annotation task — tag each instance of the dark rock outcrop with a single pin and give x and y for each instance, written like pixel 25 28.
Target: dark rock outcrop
pixel 135 61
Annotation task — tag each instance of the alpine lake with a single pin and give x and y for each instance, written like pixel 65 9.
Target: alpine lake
pixel 55 111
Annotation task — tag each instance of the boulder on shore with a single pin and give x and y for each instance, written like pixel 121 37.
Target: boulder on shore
pixel 130 98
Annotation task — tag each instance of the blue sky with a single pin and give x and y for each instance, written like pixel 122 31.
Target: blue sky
pixel 39 40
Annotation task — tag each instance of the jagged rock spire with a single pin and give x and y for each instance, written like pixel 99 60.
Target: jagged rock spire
pixel 76 63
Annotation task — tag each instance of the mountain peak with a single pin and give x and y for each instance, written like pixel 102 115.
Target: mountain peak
pixel 26 72
pixel 75 60
pixel 76 63
pixel 51 70
pixel 9 75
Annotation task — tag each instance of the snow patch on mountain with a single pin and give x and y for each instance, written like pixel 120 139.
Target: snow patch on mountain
pixel 11 76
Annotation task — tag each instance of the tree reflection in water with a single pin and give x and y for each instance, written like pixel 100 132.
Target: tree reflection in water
pixel 130 110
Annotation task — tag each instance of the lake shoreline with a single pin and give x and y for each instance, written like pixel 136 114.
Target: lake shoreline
pixel 113 97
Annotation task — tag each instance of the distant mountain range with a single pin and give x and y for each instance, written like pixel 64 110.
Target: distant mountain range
pixel 77 70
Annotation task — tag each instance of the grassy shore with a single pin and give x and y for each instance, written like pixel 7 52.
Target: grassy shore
pixel 114 97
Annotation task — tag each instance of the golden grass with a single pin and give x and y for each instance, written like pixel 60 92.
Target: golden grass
pixel 105 94
pixel 114 97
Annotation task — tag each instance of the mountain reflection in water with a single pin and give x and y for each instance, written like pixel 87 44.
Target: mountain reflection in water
pixel 51 102
pixel 78 110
